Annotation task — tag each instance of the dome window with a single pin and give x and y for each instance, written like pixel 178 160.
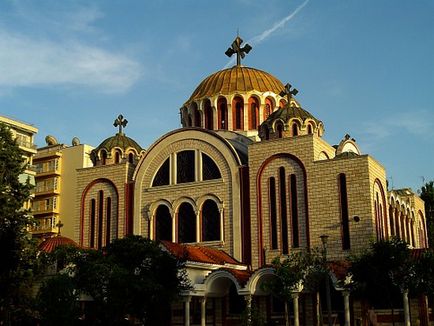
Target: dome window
pixel 209 121
pixel 294 129
pixel 253 113
pixel 238 113
pixel 103 157
pixel 117 157
pixel 309 129
pixel 222 113
pixel 131 158
pixel 279 129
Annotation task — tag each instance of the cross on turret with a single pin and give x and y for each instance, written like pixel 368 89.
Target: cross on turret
pixel 59 226
pixel 288 92
pixel 240 51
pixel 120 122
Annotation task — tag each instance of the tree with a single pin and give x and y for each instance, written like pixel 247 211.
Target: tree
pixel 132 278
pixel 305 269
pixel 16 248
pixel 427 195
pixel 382 272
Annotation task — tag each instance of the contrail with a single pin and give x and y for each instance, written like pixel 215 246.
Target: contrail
pixel 265 34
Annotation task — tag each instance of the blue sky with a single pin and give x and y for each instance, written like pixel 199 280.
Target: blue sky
pixel 362 67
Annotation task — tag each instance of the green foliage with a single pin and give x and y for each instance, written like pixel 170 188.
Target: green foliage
pixel 18 251
pixel 131 277
pixel 424 272
pixel 383 271
pixel 427 195
pixel 301 268
pixel 57 301
pixel 253 317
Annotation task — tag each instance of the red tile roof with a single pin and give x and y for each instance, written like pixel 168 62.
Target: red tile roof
pixel 52 243
pixel 242 276
pixel 339 268
pixel 199 253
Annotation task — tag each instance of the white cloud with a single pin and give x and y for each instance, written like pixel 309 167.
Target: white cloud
pixel 267 33
pixel 50 51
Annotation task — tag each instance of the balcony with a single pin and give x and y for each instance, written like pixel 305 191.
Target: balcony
pixel 43 228
pixel 44 209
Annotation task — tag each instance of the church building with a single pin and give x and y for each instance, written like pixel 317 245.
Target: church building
pixel 246 179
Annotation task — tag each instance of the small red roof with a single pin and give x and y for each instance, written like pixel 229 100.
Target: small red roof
pixel 242 276
pixel 52 243
pixel 199 253
pixel 339 268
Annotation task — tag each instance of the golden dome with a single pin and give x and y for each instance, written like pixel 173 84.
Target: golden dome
pixel 236 79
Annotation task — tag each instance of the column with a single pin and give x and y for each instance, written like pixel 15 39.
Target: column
pixel 187 300
pixel 202 311
pixel 295 296
pixel 406 308
pixel 248 299
pixel 346 295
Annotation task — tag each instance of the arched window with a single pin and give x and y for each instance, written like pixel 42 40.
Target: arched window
pixel 100 217
pixel 309 129
pixel 117 157
pixel 412 241
pixel 185 166
pixel 282 103
pixel 279 129
pixel 108 214
pixel 163 224
pixel 162 178
pixel 238 113
pixel 222 113
pixel 397 233
pixel 273 211
pixel 189 123
pixel 186 224
pixel 209 121
pixel 103 157
pixel 92 223
pixel 268 109
pixel 402 220
pixel 344 212
pixel 210 221
pixel 131 158
pixel 210 170
pixel 283 211
pixel 391 221
pixel 294 210
pixel 253 113
pixel 295 129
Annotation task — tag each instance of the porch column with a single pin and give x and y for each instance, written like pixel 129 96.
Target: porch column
pixel 346 295
pixel 248 298
pixel 187 300
pixel 202 311
pixel 406 308
pixel 295 296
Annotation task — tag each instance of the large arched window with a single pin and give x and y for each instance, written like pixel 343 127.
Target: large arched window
pixel 186 223
pixel 210 170
pixel 209 121
pixel 210 221
pixel 162 178
pixel 238 113
pixel 185 166
pixel 222 108
pixel 344 212
pixel 163 224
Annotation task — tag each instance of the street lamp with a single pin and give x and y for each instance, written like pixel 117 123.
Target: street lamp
pixel 324 239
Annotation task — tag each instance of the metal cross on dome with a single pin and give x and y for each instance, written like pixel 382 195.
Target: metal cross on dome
pixel 59 226
pixel 288 92
pixel 240 51
pixel 120 122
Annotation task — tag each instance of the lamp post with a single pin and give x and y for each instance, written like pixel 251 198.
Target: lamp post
pixel 324 239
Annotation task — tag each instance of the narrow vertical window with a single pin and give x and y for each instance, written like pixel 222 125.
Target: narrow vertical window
pixel 209 121
pixel 273 211
pixel 117 157
pixel 92 224
pixel 131 158
pixel 108 214
pixel 103 157
pixel 186 224
pixel 397 223
pixel 222 113
pixel 100 217
pixel 294 211
pixel 344 212
pixel 283 211
pixel 309 129
pixel 279 128
pixel 412 241
pixel 392 227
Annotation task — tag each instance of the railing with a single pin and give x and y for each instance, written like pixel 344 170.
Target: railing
pixel 26 144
